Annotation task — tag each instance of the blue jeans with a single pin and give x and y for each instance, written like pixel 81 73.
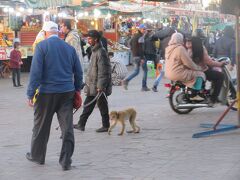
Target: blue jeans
pixel 158 79
pixel 137 63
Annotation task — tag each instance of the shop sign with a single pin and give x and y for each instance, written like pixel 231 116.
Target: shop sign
pixel 3 54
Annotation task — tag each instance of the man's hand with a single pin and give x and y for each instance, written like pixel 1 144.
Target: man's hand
pixel 99 90
pixel 30 102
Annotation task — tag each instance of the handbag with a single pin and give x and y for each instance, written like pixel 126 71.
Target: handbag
pixel 77 100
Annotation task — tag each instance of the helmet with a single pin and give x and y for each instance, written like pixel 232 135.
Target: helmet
pixel 199 33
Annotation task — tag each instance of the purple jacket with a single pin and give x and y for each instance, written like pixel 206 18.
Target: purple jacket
pixel 15 59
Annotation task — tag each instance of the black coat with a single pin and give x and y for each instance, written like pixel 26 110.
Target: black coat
pixel 225 47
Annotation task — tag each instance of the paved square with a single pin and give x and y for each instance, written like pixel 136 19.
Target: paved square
pixel 163 150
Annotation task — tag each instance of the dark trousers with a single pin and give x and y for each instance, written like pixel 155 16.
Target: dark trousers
pixel 16 73
pixel 217 81
pixel 44 109
pixel 103 107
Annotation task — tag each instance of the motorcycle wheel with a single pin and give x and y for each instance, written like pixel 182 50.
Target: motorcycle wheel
pixel 230 99
pixel 175 98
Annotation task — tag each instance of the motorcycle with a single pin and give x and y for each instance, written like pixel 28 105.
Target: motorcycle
pixel 180 95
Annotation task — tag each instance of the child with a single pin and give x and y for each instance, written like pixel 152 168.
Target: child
pixel 16 62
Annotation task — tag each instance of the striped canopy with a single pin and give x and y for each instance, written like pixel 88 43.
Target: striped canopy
pixel 40 4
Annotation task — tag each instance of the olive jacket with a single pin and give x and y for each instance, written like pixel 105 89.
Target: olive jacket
pixel 99 72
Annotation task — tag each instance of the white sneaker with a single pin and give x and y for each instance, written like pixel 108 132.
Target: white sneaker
pixel 196 98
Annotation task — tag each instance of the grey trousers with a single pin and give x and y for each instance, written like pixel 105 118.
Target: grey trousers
pixel 44 109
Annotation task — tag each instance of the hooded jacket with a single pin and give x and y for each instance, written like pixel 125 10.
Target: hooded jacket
pixel 180 67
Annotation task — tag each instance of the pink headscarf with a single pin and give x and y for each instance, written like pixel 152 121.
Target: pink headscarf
pixel 176 38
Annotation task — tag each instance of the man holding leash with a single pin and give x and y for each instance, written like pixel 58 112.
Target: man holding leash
pixel 98 83
pixel 54 65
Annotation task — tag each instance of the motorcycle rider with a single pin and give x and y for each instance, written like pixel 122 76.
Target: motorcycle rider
pixel 180 67
pixel 200 56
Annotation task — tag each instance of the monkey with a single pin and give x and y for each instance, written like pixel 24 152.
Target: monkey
pixel 120 116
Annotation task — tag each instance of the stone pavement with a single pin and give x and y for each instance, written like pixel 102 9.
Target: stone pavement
pixel 163 150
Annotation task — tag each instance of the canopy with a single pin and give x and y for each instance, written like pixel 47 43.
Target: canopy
pixel 47 3
pixel 221 26
pixel 129 7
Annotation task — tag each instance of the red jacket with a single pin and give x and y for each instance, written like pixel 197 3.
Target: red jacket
pixel 15 59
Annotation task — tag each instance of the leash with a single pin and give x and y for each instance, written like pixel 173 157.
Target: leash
pixel 88 104
pixel 95 99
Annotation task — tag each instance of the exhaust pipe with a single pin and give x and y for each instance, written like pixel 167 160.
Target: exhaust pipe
pixel 191 106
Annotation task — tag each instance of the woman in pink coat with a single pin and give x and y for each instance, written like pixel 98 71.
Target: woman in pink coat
pixel 200 56
pixel 180 67
pixel 15 63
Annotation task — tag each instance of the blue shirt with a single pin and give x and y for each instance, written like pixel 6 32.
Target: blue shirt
pixel 55 68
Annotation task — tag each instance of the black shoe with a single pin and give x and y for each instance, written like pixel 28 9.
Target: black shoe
pixel 29 157
pixel 66 166
pixel 145 89
pixel 15 85
pixel 77 126
pixel 154 89
pixel 211 103
pixel 102 129
pixel 20 85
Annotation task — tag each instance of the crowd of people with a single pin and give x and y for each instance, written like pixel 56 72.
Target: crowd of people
pixel 197 52
pixel 57 76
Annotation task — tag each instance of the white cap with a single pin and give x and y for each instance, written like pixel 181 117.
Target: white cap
pixel 50 26
pixel 16 40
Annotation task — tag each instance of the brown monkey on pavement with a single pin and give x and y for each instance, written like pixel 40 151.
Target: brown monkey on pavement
pixel 120 116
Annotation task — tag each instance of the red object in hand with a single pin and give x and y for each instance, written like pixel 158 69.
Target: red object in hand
pixel 77 101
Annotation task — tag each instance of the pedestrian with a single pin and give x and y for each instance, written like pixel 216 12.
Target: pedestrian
pixel 150 50
pixel 136 44
pixel 98 83
pixel 16 62
pixel 225 46
pixel 72 38
pixel 54 65
pixel 199 55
